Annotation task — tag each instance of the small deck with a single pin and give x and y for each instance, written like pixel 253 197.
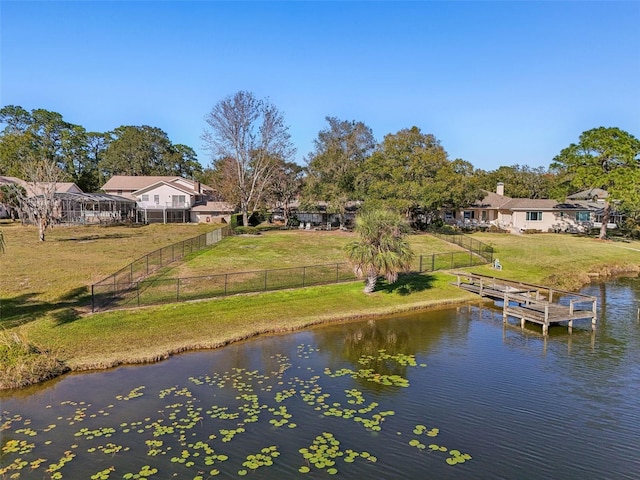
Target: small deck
pixel 531 303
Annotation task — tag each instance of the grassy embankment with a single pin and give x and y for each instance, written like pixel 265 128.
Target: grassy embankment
pixel 45 287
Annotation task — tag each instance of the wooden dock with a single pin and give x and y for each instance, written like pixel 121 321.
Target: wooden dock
pixel 531 303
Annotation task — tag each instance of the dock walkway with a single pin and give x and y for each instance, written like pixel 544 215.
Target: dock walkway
pixel 531 303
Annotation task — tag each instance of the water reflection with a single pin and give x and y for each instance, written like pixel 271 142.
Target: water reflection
pixel 518 404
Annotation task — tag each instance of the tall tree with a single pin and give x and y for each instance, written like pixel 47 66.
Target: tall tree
pixel 145 150
pixel 410 172
pixel 333 167
pixel 520 181
pixel 607 158
pixel 381 249
pixel 45 135
pixel 247 137
pixel 286 187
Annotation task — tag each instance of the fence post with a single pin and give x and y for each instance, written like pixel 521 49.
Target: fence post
pixel 226 276
pixel 433 262
pixel 173 255
pixel 304 273
pixel 265 280
pixel 177 289
pixel 420 264
pixel 337 272
pixel 93 301
pixel 138 291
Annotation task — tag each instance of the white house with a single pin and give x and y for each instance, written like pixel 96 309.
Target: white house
pixel 169 199
pixel 521 214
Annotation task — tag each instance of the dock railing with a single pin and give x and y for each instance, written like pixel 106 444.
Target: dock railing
pixel 530 302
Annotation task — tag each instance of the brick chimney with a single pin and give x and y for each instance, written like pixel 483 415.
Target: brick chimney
pixel 500 188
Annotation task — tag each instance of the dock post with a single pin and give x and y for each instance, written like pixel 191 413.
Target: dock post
pixel 505 302
pixel 545 325
pixel 593 314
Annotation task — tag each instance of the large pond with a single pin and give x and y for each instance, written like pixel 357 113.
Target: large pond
pixel 443 394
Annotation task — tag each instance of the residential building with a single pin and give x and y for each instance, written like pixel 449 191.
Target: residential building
pixel 577 214
pixel 170 199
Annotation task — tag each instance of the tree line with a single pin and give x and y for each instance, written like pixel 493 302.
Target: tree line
pixel 86 158
pixel 252 162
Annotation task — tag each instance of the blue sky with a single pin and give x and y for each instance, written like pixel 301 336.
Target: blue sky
pixel 498 83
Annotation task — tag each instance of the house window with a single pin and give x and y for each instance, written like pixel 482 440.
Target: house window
pixel 582 216
pixel 178 200
pixel 534 216
pixel 469 214
pixel 156 199
pixel 145 198
pixel 119 192
pixel 484 215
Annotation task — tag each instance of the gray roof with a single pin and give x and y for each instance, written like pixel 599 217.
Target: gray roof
pixel 589 194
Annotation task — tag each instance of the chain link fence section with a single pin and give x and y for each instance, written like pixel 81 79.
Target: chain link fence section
pixel 110 289
pixel 469 243
pixel 168 290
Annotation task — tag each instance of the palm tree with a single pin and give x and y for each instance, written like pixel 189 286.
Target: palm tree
pixel 382 249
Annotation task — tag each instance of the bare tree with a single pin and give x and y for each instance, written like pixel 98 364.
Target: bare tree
pixel 246 138
pixel 37 196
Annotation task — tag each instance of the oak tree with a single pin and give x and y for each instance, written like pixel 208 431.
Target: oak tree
pixel 607 158
pixel 333 167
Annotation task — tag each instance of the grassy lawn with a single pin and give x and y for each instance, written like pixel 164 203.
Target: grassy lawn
pixel 39 277
pixel 44 284
pixel 283 249
pixel 559 260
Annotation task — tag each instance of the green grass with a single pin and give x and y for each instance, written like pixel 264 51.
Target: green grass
pixel 283 249
pixel 563 261
pixel 45 285
pixel 55 276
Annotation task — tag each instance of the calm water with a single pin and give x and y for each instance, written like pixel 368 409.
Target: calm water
pixel 404 397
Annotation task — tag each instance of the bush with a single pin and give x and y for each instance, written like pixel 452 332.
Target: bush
pixel 265 227
pixel 496 229
pixel 246 231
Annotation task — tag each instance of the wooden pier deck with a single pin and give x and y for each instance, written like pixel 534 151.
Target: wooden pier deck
pixel 531 303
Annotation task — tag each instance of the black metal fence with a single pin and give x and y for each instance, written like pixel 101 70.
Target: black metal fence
pixel 133 293
pixel 467 242
pixel 106 291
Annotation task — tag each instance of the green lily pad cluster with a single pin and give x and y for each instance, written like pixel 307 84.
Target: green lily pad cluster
pixel 324 452
pixel 187 430
pixel 135 393
pixel 262 459
pixel 21 447
pixel 145 472
pixel 103 474
pixel 282 412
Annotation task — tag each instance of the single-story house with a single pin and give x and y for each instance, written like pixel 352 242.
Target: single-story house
pixel 215 212
pixel 520 214
pixel 169 199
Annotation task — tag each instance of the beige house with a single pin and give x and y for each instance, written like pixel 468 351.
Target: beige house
pixel 522 214
pixel 170 199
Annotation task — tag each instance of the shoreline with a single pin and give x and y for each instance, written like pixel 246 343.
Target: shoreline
pixel 154 355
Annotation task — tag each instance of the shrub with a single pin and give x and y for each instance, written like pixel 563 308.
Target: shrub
pixel 246 231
